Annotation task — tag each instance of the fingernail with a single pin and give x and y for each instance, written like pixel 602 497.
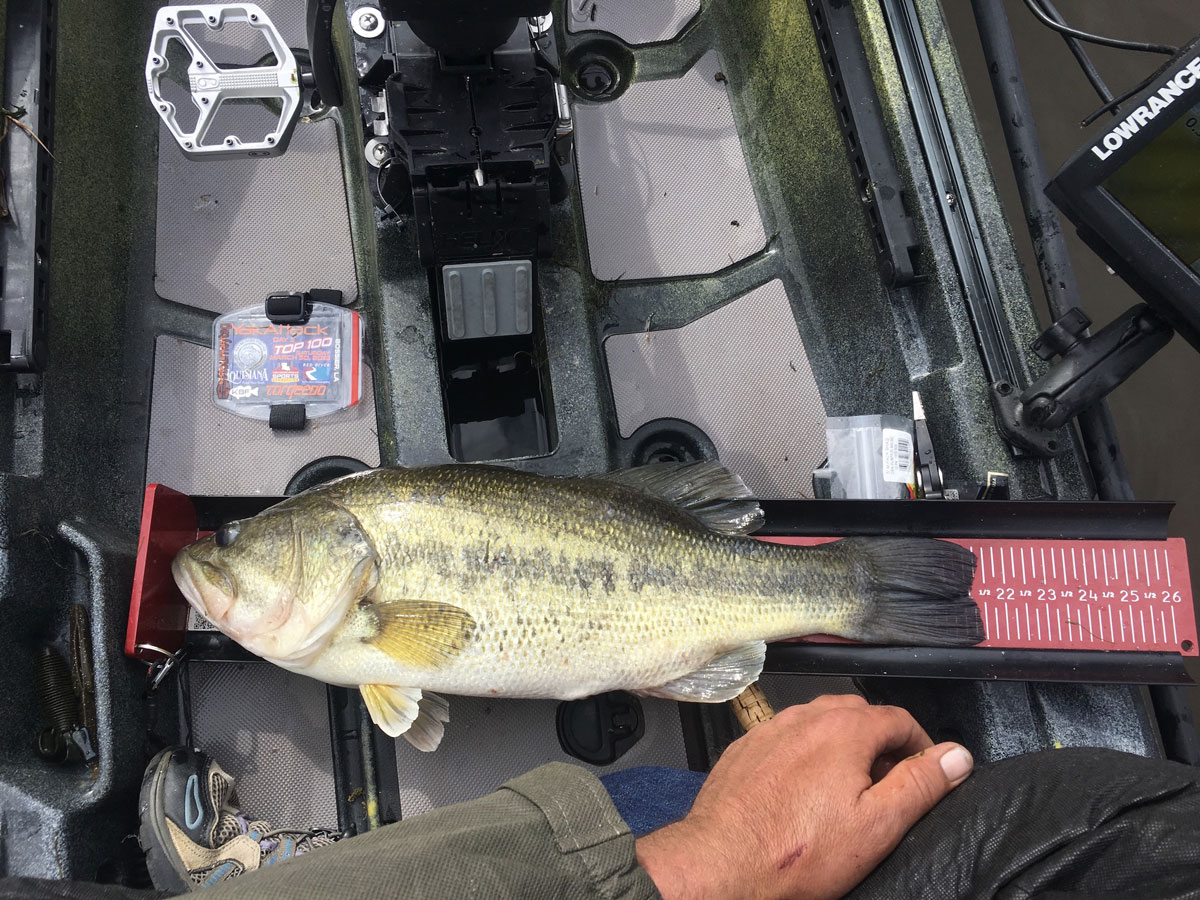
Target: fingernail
pixel 957 763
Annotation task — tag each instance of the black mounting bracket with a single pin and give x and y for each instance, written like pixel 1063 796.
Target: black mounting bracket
pixel 860 117
pixel 324 75
pixel 1091 366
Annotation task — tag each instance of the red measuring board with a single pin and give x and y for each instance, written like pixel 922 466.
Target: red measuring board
pixel 1079 595
pixel 156 614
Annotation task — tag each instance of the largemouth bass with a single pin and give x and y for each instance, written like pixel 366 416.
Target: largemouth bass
pixel 486 581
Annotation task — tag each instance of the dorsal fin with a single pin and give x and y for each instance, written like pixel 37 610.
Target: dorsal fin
pixel 706 489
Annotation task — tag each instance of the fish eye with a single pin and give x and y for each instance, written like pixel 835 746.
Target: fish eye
pixel 226 534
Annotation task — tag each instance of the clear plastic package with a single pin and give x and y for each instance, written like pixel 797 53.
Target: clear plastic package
pixel 871 457
pixel 258 364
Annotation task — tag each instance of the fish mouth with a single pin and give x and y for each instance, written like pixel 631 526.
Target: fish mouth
pixel 191 591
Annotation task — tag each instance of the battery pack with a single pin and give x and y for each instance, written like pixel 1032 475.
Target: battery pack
pixel 259 364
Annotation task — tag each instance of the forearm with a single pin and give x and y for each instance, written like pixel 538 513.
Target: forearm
pixel 678 861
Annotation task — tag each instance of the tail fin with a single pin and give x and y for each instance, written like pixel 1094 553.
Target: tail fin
pixel 917 591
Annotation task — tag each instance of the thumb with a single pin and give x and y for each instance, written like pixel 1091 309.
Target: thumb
pixel 915 785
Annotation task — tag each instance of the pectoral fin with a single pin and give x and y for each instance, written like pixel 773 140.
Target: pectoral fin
pixel 419 633
pixel 722 678
pixel 420 717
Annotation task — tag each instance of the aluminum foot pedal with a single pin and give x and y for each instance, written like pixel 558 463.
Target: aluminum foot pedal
pixel 274 84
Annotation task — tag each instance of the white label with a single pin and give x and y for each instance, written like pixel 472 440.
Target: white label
pixel 897 455
pixel 197 622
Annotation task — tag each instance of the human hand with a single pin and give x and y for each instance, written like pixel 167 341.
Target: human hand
pixel 806 805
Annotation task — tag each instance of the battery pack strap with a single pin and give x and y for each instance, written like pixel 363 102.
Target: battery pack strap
pixel 288 417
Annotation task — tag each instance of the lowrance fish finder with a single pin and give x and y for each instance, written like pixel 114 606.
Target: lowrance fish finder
pixel 1134 193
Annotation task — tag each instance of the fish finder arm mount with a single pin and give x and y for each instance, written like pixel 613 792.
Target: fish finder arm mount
pixel 1090 367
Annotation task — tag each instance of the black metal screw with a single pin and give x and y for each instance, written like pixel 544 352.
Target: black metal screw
pixel 1004 389
pixel 595 79
pixel 212 20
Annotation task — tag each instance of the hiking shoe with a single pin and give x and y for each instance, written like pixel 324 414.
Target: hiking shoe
pixel 193 831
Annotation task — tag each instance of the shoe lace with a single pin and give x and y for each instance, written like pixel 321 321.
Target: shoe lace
pixel 230 825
